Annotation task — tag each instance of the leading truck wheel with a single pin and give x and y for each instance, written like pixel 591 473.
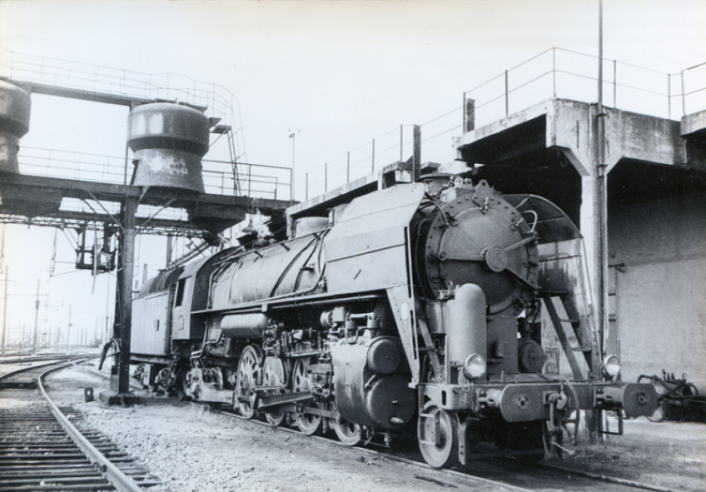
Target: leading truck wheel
pixel 348 433
pixel 437 433
pixel 249 376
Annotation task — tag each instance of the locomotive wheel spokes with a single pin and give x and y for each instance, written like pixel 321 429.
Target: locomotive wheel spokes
pixel 348 433
pixel 249 376
pixel 437 433
pixel 307 423
pixel 274 416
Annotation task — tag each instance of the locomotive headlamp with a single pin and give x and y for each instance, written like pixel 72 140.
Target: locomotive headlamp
pixel 611 366
pixel 474 366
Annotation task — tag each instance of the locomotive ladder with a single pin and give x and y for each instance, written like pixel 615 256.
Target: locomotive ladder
pixel 581 329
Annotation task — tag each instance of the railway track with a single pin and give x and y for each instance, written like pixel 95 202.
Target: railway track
pixel 42 450
pixel 21 359
pixel 490 469
pixel 495 469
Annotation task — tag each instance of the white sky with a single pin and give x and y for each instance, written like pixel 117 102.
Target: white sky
pixel 341 73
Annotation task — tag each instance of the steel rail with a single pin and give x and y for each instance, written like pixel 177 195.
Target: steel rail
pixel 457 474
pixel 40 358
pixel 117 478
pixel 463 476
pixel 419 464
pixel 28 368
pixel 605 478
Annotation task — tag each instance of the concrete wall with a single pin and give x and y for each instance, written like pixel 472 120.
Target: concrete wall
pixel 660 302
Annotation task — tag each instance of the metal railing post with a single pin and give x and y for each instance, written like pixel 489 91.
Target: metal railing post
pixel 507 96
pixel 470 115
pixel 401 145
pixel 372 170
pixel 669 96
pixel 554 71
pixel 683 95
pixel 615 83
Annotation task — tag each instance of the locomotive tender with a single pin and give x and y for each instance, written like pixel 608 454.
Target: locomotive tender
pixel 408 306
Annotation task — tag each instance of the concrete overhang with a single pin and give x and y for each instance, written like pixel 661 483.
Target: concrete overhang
pixel 694 125
pixel 570 126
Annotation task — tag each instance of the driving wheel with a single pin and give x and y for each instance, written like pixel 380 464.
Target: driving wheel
pixel 249 376
pixel 307 422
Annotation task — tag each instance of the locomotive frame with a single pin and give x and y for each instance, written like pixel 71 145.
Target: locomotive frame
pixel 396 313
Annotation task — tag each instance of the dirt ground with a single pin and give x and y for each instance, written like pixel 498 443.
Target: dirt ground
pixel 190 449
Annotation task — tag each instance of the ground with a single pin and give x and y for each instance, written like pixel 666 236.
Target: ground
pixel 190 449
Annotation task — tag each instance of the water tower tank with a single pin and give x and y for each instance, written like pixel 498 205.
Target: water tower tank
pixel 15 104
pixel 169 141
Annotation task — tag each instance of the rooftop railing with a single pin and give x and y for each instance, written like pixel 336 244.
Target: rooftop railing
pixel 553 73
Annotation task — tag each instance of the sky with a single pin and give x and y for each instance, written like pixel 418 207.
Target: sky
pixel 336 74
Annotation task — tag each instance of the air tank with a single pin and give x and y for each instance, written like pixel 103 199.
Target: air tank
pixel 169 141
pixel 15 104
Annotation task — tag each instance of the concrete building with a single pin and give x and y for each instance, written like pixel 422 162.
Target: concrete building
pixel 654 201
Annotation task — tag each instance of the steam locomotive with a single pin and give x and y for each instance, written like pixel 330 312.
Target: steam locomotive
pixel 411 309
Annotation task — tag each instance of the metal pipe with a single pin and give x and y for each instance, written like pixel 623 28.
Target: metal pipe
pixel 417 153
pixel 600 166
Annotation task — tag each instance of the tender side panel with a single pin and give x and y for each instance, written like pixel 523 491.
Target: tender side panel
pixel 150 334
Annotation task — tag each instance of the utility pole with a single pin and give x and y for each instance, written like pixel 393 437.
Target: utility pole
pixel 68 332
pixel 291 188
pixel 4 310
pixel 36 319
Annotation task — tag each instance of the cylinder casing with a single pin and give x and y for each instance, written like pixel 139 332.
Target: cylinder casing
pixel 366 397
